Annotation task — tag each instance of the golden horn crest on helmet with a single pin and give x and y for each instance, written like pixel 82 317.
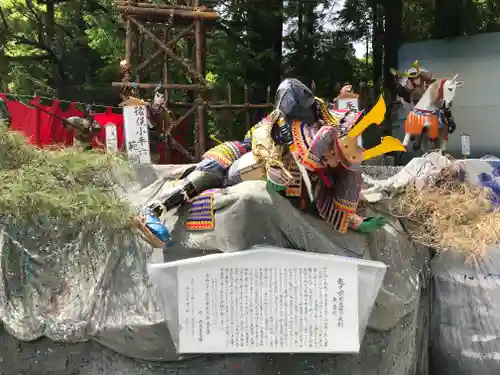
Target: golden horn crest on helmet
pixel 352 153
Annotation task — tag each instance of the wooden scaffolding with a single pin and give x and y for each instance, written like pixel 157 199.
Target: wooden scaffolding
pixel 166 25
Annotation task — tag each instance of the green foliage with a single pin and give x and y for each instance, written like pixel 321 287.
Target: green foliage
pixel 53 53
pixel 105 37
pixel 74 52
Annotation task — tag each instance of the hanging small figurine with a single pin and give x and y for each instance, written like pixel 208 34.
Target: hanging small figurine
pixel 157 107
pixel 158 119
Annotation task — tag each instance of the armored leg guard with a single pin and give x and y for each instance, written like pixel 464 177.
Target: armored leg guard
pixel 152 229
pixel 195 183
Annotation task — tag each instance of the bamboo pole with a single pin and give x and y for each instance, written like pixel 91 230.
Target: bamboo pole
pixel 154 85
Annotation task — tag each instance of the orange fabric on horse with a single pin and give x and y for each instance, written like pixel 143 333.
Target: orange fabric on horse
pixel 417 119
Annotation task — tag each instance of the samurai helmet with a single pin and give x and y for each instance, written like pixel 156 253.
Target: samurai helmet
pixel 346 147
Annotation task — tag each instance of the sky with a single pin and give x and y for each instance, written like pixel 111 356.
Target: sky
pixel 360 47
pixel 336 6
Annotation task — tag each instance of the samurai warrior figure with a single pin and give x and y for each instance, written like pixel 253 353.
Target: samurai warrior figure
pixel 346 91
pixel 329 150
pixel 158 118
pixel 302 150
pixel 85 127
pixel 157 107
pixel 411 85
pixel 128 89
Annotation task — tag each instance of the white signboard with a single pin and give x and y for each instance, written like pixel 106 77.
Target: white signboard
pixel 350 103
pixel 465 139
pixel 111 138
pixel 136 134
pixel 272 302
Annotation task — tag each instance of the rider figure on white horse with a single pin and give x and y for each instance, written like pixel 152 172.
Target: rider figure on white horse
pixel 411 85
pixel 429 103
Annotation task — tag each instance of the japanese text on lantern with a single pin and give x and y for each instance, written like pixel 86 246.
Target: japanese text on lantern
pixel 268 309
pixel 136 134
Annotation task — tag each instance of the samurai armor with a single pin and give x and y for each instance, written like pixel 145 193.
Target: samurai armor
pixel 201 212
pixel 303 137
pixel 225 154
pixel 246 168
pixel 336 190
pixel 189 187
pixel 338 203
pixel 293 190
pixel 210 173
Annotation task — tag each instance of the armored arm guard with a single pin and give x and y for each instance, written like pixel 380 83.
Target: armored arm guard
pixel 268 151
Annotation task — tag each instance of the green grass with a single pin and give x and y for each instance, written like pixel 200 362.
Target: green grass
pixel 65 189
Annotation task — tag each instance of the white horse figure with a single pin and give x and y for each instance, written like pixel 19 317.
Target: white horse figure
pixel 431 116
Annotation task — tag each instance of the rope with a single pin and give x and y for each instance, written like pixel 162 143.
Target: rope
pixel 59 100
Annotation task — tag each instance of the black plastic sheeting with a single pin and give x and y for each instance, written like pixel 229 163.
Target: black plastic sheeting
pixel 466 314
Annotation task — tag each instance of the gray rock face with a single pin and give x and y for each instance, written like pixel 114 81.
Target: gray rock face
pixel 104 312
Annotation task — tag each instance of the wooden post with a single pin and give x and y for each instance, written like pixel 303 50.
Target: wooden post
pixel 230 132
pixel 465 141
pixel 200 70
pixel 138 56
pixel 168 50
pixel 247 114
pixel 128 50
pixel 168 150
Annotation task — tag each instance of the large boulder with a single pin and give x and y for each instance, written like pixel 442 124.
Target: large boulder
pixel 82 303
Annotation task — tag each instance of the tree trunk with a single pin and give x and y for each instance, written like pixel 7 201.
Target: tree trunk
pixel 392 41
pixel 448 22
pixel 309 42
pixel 377 48
pixel 49 20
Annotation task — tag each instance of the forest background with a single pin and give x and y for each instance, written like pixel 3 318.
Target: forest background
pixel 71 49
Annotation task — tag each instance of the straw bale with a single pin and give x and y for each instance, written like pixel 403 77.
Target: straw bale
pixel 449 214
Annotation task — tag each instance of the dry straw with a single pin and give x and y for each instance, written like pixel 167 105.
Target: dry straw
pixel 60 190
pixel 450 215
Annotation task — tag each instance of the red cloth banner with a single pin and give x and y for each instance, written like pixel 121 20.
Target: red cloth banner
pixel 42 129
